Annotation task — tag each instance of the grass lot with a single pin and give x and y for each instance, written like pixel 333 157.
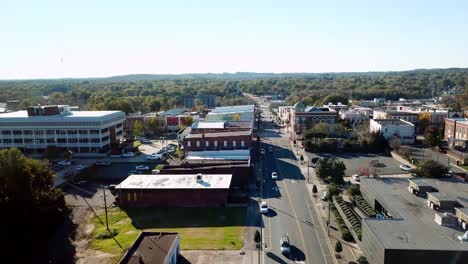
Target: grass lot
pixel 199 228
pixel 159 167
pixel 465 167
pixel 136 143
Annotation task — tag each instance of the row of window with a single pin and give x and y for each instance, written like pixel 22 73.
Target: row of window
pixel 51 132
pixel 225 143
pixel 50 141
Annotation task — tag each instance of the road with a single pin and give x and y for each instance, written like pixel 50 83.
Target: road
pixel 292 211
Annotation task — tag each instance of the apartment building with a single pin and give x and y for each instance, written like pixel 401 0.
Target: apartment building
pixel 41 127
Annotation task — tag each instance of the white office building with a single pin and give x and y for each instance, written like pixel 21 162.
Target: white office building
pixel 41 127
pixel 398 128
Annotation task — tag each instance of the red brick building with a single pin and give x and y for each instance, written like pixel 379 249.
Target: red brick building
pixel 456 129
pixel 218 141
pixel 174 190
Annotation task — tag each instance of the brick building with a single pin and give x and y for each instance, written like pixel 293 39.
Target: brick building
pixel 310 116
pixel 456 129
pixel 218 141
pixel 174 190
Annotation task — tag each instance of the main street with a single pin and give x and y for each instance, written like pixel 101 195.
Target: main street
pixel 292 211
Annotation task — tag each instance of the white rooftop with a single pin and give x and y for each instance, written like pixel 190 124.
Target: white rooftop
pixel 214 125
pixel 176 181
pixel 73 114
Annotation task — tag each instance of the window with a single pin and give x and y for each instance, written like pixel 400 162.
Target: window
pixel 207 143
pixel 216 144
pixel 6 132
pixel 242 143
pixel 134 196
pixel 17 132
pixel 129 197
pixel 198 144
pixel 234 143
pixel 225 143
pixel 189 144
pixel 39 132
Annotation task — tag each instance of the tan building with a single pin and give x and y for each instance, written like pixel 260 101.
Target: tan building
pixel 304 117
pixel 391 114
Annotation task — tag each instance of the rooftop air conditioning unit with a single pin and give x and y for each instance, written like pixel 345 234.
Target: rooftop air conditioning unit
pixel 199 177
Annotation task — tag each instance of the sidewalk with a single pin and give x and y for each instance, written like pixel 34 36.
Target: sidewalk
pixel 351 251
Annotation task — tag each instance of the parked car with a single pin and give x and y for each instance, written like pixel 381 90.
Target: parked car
pixel 81 167
pixel 264 207
pixel 285 246
pixel 128 155
pixel 274 175
pixel 64 163
pixel 154 157
pixel 405 167
pixel 142 168
pixel 356 177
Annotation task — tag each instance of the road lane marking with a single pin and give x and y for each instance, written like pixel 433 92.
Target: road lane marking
pixel 316 232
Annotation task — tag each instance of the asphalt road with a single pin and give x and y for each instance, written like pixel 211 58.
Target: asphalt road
pixel 292 212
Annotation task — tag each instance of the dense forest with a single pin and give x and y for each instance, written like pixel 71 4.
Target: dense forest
pixel 132 93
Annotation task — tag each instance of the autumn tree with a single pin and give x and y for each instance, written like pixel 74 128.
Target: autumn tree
pixel 424 120
pixel 153 125
pixel 138 128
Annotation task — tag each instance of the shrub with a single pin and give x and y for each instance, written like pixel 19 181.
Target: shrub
pixel 353 190
pixel 346 235
pixel 314 189
pixel 362 260
pixel 338 247
pixel 257 236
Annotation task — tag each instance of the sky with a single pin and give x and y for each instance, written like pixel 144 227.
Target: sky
pixel 89 38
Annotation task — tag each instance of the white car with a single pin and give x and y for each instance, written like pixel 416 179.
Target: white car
pixel 356 177
pixel 274 175
pixel 154 157
pixel 64 163
pixel 405 167
pixel 80 167
pixel 264 208
pixel 142 167
pixel 128 155
pixel 285 246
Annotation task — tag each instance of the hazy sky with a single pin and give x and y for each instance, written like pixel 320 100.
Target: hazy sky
pixel 82 38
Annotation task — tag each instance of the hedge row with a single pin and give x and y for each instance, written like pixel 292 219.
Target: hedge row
pixel 352 218
pixel 345 233
pixel 365 207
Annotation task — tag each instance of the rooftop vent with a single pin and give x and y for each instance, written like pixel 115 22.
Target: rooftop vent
pixel 199 177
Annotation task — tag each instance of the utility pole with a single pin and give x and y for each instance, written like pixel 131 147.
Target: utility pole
pixel 329 220
pixel 105 207
pixel 308 173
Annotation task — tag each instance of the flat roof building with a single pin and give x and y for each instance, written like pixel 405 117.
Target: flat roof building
pixel 154 248
pixel 398 128
pixel 41 127
pixel 412 230
pixel 174 190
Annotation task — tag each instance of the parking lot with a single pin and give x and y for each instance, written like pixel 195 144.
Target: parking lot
pixel 354 161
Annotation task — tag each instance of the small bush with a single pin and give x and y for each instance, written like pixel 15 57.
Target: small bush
pixel 346 235
pixel 362 260
pixel 338 247
pixel 257 237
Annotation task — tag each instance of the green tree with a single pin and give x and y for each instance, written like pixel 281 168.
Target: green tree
pixel 332 190
pixel 335 99
pixel 395 143
pixel 424 120
pixel 431 169
pixel 432 136
pixel 31 207
pixel 332 169
pixel 153 125
pixel 189 120
pixel 362 260
pixel 138 128
pixel 377 142
pixel 353 190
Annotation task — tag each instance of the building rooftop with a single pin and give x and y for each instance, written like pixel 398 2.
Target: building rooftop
pixel 413 226
pixel 394 122
pixel 208 125
pixel 238 154
pixel 460 120
pixel 23 114
pixel 220 134
pixel 176 181
pixel 233 109
pixel 150 247
pixel 420 182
